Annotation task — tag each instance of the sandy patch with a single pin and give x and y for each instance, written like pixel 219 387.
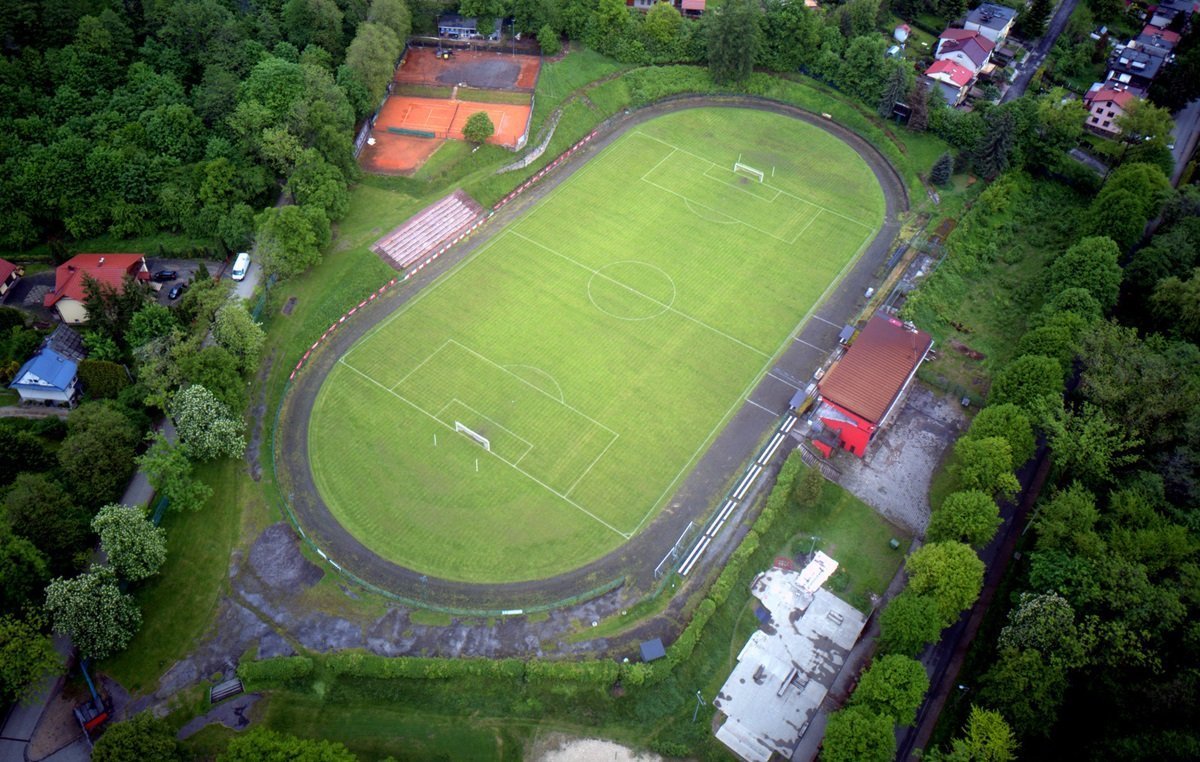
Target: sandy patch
pixel 561 748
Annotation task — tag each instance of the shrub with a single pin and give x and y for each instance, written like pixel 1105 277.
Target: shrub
pixel 274 671
pixel 102 379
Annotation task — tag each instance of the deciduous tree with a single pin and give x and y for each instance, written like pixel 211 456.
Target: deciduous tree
pixel 150 322
pixel 985 464
pixel 971 517
pixel 23 571
pixel 90 608
pixel 1090 264
pixel 1089 446
pixel 1045 622
pixel 260 744
pixel 950 573
pixel 237 332
pixel 394 14
pixel 290 239
pixel 1032 383
pixel 1009 422
pixel 909 623
pixel 986 738
pixel 479 127
pixel 206 427
pixel 733 39
pixel 1026 689
pixel 372 56
pixel 97 455
pixel 856 734
pixel 170 473
pixel 134 546
pixel 143 737
pixel 26 655
pixel 41 511
pixel 894 687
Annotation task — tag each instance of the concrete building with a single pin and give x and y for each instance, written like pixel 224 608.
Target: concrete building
pixel 786 668
pixel 70 277
pixel 1105 103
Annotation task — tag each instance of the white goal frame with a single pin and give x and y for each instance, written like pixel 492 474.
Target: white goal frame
pixel 739 166
pixel 460 427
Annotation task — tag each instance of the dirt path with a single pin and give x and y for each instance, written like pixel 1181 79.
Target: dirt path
pixel 634 561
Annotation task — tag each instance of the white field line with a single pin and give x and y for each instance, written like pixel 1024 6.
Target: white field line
pixel 739 188
pixel 692 202
pixel 588 470
pixel 631 289
pixel 786 193
pixel 785 381
pixel 510 464
pixel 421 364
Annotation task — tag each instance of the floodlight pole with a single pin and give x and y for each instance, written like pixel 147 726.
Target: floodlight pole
pixel 813 547
pixel 699 703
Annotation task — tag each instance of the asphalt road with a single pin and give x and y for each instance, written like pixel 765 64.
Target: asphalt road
pixel 1025 73
pixel 1185 134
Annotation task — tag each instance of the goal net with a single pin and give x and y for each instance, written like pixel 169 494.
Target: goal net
pixel 746 169
pixel 480 438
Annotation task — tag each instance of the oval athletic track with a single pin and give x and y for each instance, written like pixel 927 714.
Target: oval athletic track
pixel 698 494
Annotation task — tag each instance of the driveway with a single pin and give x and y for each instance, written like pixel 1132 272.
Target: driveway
pixel 27 294
pixel 1038 53
pixel 186 269
pixel 244 289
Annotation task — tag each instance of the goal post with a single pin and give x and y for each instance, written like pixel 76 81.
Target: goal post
pixel 746 169
pixel 462 428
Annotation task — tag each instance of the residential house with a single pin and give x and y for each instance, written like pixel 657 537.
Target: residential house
pixel 462 28
pixel 1157 40
pixel 786 668
pixel 1105 102
pixel 68 294
pixel 9 275
pixel 864 387
pixel 967 48
pixel 1165 13
pixel 693 8
pixel 950 80
pixel 1135 65
pixel 47 377
pixel 992 21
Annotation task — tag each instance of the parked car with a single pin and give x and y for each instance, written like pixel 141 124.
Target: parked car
pixel 241 266
pixel 176 290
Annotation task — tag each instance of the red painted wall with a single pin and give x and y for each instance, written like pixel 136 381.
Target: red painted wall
pixel 853 437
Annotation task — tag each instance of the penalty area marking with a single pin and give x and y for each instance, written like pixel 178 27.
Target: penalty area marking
pixel 518 469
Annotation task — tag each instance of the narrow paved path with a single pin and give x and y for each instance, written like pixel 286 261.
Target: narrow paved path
pixel 1038 55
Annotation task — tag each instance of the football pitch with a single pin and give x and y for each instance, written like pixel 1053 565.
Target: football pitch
pixel 539 404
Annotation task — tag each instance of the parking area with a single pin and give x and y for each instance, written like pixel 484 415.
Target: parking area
pixel 895 475
pixel 185 269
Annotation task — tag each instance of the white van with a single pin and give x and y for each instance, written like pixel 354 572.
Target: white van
pixel 241 266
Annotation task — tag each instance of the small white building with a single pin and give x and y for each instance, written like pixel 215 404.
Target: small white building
pixel 46 377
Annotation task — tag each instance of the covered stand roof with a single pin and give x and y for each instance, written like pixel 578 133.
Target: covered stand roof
pixel 873 372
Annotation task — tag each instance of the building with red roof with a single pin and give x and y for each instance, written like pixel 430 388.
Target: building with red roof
pixel 1105 102
pixel 965 47
pixel 861 390
pixel 9 274
pixel 69 277
pixel 949 79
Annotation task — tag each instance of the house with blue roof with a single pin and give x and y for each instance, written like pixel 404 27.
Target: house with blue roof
pixel 46 377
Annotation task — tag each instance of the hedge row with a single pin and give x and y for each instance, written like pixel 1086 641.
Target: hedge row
pixel 598 672
pixel 274 671
pixel 102 379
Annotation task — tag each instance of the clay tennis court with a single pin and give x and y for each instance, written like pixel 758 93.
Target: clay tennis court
pixel 394 153
pixel 488 70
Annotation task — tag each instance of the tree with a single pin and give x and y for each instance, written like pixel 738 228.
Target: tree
pixel 40 510
pixel 97 455
pixel 318 22
pixel 548 40
pixel 1031 23
pixel 1026 688
pixel 237 332
pixel 986 738
pixel 950 573
pixel 1142 122
pixel 170 473
pixel 485 13
pixel 23 571
pixel 150 322
pixel 1131 197
pixel 25 656
pixel 1032 383
pixel 942 169
pixel 1045 622
pixel 1176 304
pixel 316 182
pixel 262 745
pixel 372 57
pixel 661 30
pixel 897 85
pixel 92 610
pixel 1010 423
pixel 733 39
pixel 971 517
pixel 394 14
pixel 289 239
pixel 918 101
pixel 134 546
pixel 992 154
pixel 908 624
pixel 856 734
pixel 1089 446
pixel 1068 521
pixel 478 128
pixel 143 737
pixel 985 464
pixel 807 489
pixel 894 687
pixel 101 379
pixel 861 72
pixel 1090 264
pixel 110 309
pixel 206 427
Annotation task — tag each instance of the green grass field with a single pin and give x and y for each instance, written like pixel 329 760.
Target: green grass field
pixel 599 344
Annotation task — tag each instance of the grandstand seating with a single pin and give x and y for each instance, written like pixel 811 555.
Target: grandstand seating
pixel 429 230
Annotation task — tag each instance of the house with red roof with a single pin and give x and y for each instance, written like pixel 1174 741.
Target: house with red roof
pixel 950 80
pixel 1106 101
pixel 965 47
pixel 69 277
pixel 9 274
pixel 863 389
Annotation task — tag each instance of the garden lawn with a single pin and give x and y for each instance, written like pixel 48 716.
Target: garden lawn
pixel 539 404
